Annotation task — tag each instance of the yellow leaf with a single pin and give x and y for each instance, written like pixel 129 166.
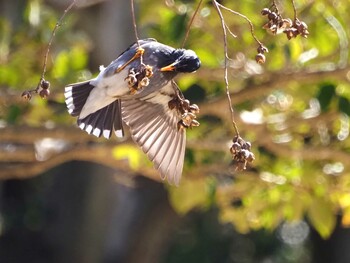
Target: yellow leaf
pixel 128 152
pixel 322 217
pixel 344 200
pixel 190 194
pixel 345 221
pixel 237 217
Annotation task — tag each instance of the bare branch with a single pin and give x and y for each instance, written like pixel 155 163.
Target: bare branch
pixel 190 23
pixel 102 154
pixel 274 81
pixel 223 25
pixel 245 18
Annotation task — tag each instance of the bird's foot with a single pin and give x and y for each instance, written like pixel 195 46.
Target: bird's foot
pixel 188 112
pixel 139 53
pixel 139 78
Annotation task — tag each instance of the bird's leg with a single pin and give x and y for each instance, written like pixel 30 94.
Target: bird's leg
pixel 139 52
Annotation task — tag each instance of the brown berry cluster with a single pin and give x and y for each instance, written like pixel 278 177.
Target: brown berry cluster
pixel 241 153
pixel 277 24
pixel 260 57
pixel 139 78
pixel 43 89
pixel 188 112
pixel 298 28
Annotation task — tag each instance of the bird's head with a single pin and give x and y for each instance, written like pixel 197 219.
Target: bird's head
pixel 182 60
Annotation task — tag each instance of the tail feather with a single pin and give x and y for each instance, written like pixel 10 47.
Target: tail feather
pixel 76 96
pixel 104 121
pixel 99 123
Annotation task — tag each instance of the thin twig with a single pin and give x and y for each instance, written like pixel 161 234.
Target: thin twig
pixel 190 24
pixel 216 4
pixel 53 33
pixel 275 7
pixel 231 33
pixel 135 27
pixel 241 15
pixel 295 10
pixel 134 21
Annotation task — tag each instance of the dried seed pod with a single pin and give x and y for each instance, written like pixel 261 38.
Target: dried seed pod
pixel 194 108
pixel 251 157
pixel 247 146
pixel 173 103
pixel 181 125
pixel 233 151
pixel 267 25
pixel 273 29
pixel 44 93
pixel 185 104
pixel 245 153
pixel 26 95
pixel 148 71
pixel 260 58
pixel 188 116
pixel 265 11
pixel 302 29
pixel 235 148
pixel 272 16
pixel 132 71
pixel 262 49
pixel 132 80
pixel 45 84
pixel 287 22
pixel 194 123
pixel 144 82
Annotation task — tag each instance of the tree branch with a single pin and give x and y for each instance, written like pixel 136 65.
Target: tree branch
pixel 251 92
pixel 101 154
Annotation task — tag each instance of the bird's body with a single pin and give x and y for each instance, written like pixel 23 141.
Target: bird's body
pixel 105 102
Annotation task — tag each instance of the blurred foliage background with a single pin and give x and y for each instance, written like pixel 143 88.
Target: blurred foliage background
pixel 91 200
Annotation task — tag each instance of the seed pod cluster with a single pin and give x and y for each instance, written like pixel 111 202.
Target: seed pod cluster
pixel 139 78
pixel 43 89
pixel 260 57
pixel 188 112
pixel 277 24
pixel 241 153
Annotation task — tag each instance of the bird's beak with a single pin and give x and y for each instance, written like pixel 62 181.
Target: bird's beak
pixel 171 67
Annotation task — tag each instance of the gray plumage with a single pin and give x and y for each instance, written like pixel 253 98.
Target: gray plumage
pixel 105 102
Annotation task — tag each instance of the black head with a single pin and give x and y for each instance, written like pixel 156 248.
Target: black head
pixel 183 60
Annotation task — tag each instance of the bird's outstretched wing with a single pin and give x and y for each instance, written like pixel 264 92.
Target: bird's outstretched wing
pixel 154 127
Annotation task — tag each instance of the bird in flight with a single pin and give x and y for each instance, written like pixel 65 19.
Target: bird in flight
pixel 138 89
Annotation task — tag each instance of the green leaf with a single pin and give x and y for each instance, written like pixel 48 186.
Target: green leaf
pixel 178 27
pixel 78 58
pixel 325 95
pixel 321 216
pixel 344 105
pixel 13 113
pixel 60 67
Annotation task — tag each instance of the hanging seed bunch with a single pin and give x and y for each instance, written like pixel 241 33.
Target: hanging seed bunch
pixel 188 112
pixel 139 78
pixel 260 57
pixel 43 89
pixel 241 153
pixel 277 24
